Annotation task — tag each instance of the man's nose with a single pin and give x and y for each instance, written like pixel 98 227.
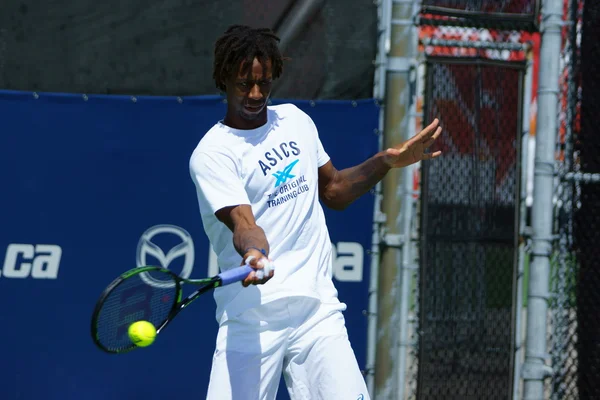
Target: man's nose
pixel 255 93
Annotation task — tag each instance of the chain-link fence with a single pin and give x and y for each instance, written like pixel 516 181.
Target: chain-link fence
pixel 575 333
pixel 468 230
pixel 455 358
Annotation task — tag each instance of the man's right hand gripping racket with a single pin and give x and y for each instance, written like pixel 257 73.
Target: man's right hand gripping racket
pixel 152 294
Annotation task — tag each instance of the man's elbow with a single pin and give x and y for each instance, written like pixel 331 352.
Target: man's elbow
pixel 334 202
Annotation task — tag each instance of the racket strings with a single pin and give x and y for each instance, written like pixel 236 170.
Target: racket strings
pixel 147 296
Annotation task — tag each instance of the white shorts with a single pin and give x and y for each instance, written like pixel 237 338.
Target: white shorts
pixel 300 337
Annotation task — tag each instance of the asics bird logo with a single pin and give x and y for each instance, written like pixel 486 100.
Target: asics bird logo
pixel 283 176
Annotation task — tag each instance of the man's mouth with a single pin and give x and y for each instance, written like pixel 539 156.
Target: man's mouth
pixel 254 107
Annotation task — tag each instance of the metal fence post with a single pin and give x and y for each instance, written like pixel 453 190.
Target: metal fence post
pixel 535 369
pixel 402 40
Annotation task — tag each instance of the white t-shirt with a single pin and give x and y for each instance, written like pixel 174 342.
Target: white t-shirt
pixel 274 169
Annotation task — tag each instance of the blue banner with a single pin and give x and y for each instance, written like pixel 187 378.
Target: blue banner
pixel 86 183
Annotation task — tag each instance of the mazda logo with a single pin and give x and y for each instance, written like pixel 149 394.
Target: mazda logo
pixel 146 247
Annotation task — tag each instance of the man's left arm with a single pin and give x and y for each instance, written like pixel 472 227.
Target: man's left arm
pixel 338 189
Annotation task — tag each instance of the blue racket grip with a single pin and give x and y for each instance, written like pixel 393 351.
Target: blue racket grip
pixel 235 274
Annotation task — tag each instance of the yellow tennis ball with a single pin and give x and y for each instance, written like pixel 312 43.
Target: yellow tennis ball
pixel 142 333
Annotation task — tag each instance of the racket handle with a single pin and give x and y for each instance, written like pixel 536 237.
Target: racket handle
pixel 235 274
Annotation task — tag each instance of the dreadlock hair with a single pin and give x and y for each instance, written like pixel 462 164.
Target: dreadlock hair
pixel 242 44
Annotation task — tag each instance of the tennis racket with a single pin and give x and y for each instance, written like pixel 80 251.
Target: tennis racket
pixel 152 294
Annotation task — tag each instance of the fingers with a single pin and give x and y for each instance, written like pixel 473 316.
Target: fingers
pixel 265 279
pixel 253 278
pixel 250 279
pixel 432 139
pixel 428 143
pixel 427 132
pixel 431 127
pixel 428 135
pixel 429 156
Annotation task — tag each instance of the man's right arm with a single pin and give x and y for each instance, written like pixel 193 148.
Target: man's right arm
pixel 248 238
pixel 220 190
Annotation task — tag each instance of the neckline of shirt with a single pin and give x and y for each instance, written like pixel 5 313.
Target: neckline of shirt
pixel 246 132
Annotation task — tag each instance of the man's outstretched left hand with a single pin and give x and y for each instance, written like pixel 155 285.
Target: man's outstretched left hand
pixel 413 150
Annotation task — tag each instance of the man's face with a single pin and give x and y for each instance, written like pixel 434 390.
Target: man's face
pixel 247 96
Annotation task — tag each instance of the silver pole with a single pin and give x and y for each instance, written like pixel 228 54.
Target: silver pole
pixel 378 218
pixel 384 9
pixel 399 96
pixel 407 270
pixel 535 369
pixel 407 211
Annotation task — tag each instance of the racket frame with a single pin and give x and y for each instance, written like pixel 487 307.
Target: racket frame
pixel 178 304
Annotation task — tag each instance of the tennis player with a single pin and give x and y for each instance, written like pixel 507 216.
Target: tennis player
pixel 259 174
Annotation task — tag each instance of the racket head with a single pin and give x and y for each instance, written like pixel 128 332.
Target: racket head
pixel 146 293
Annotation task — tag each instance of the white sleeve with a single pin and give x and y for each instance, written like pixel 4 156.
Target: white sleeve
pixel 322 156
pixel 218 182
